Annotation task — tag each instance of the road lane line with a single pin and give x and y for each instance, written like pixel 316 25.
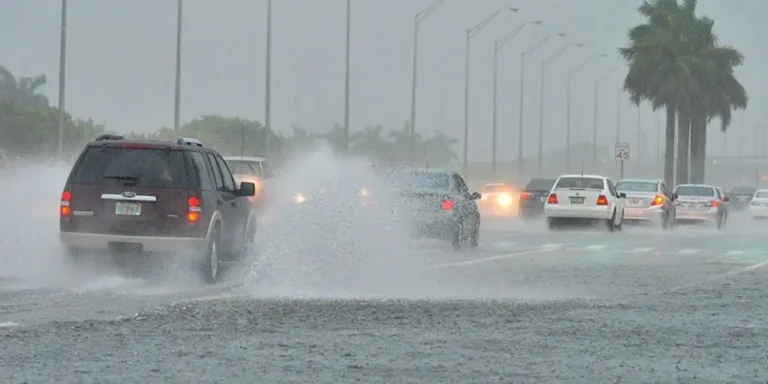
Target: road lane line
pixel 713 278
pixel 688 251
pixel 735 253
pixel 504 244
pixel 639 250
pixel 494 258
pixel 595 247
pixel 552 245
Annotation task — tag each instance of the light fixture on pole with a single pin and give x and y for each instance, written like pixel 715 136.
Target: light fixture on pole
pixel 472 32
pixel 497 46
pixel 598 81
pixel 524 56
pixel 544 65
pixel 571 74
pixel 419 17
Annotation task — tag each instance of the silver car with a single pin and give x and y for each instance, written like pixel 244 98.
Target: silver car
pixel 648 200
pixel 701 202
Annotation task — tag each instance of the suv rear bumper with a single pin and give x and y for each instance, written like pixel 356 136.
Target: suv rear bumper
pixel 92 241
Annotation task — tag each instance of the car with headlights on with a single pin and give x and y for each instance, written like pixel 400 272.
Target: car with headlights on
pixel 648 200
pixel 254 170
pixel 498 199
pixel 439 205
pixel 534 196
pixel 584 198
pixel 701 203
pixel 758 205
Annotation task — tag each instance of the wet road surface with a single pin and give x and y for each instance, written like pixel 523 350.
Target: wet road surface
pixel 529 305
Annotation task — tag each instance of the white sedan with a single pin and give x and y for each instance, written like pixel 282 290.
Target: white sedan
pixel 586 197
pixel 758 206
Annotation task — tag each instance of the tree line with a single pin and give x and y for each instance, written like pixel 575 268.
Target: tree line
pixel 29 127
pixel 677 63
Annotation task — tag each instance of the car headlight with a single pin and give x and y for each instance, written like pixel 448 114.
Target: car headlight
pixel 364 192
pixel 505 199
pixel 300 198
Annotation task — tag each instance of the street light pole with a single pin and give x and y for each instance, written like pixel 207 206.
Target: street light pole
pixel 544 65
pixel 177 101
pixel 598 81
pixel 497 46
pixel 523 56
pixel 571 74
pixel 268 83
pixel 472 32
pixel 62 76
pixel 346 78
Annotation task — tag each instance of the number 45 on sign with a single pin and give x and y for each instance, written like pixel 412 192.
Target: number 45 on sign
pixel 622 151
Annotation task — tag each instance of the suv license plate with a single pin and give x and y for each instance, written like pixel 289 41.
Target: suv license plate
pixel 577 200
pixel 128 209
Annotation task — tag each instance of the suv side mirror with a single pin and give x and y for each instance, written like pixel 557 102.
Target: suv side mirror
pixel 475 196
pixel 622 195
pixel 246 189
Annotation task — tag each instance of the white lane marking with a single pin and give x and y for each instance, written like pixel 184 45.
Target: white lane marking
pixel 504 244
pixel 735 253
pixel 595 247
pixel 688 251
pixel 552 245
pixel 638 250
pixel 8 324
pixel 493 258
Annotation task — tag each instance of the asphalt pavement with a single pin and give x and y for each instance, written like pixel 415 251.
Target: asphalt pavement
pixel 527 306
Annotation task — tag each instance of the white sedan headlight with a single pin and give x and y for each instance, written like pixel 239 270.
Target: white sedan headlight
pixel 300 198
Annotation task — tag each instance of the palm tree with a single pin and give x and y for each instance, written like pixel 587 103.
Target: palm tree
pixel 675 62
pixel 438 148
pixel 22 91
pixel 400 143
pixel 370 142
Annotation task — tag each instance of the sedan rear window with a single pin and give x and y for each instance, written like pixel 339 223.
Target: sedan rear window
pixel 579 183
pixel 540 184
pixel 690 190
pixel 761 195
pixel 132 166
pixel 424 180
pixel 636 186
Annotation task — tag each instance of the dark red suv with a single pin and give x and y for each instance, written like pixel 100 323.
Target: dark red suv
pixel 151 196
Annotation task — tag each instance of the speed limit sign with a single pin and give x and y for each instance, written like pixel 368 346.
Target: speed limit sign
pixel 622 151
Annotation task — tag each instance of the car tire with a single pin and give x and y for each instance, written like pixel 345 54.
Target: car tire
pixel 474 239
pixel 610 223
pixel 457 237
pixel 209 263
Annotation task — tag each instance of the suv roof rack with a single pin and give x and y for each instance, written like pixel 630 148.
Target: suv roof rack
pixel 109 136
pixel 189 141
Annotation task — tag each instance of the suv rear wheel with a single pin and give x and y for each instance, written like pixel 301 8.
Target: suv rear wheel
pixel 209 262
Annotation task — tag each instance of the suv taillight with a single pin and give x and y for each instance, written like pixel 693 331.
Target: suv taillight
pixel 193 211
pixel 65 209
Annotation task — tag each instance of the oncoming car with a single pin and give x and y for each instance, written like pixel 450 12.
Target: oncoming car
pixel 648 200
pixel 584 197
pixel 701 202
pixel 125 196
pixel 440 205
pixel 498 199
pixel 254 170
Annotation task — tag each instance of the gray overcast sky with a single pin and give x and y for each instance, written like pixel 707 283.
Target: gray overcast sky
pixel 121 63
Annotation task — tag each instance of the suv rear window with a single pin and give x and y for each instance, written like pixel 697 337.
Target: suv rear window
pixel 132 166
pixel 580 183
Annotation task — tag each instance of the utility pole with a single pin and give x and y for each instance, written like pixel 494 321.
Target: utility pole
pixel 268 83
pixel 62 76
pixel 346 84
pixel 177 94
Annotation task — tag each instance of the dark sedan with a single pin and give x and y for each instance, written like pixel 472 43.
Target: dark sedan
pixel 533 197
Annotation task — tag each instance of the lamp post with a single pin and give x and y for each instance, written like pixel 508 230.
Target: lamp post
pixel 177 93
pixel 419 17
pixel 268 83
pixel 472 32
pixel 62 76
pixel 523 57
pixel 571 74
pixel 598 81
pixel 497 46
pixel 346 77
pixel 544 65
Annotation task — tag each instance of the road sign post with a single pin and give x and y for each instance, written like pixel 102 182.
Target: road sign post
pixel 622 155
